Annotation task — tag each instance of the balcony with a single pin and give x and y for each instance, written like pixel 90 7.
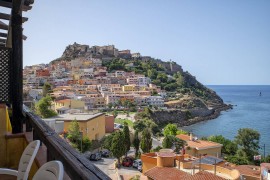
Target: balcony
pixel 26 126
pixel 53 148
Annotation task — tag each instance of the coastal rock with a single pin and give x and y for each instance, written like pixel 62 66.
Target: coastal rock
pixel 186 117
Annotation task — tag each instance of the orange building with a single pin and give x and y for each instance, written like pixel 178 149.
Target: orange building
pixel 109 124
pixel 196 147
pixel 42 72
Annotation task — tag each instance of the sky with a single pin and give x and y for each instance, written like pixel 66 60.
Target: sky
pixel 219 42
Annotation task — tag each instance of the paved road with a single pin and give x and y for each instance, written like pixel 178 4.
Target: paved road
pixel 156 142
pixel 107 166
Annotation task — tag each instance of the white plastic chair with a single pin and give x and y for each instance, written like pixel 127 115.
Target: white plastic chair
pixel 52 170
pixel 26 162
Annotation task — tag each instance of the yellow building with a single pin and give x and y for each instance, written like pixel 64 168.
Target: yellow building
pixel 69 103
pixel 128 88
pixel 197 147
pixel 77 76
pixel 91 125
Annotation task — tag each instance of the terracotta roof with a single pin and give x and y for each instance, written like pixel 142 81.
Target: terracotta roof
pixel 204 175
pixel 160 173
pixel 198 144
pixel 183 137
pixel 249 170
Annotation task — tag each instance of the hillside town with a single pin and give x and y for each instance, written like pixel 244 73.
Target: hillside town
pixel 87 98
pixel 84 84
pixel 99 112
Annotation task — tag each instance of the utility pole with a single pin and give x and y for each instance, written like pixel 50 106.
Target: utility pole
pixel 81 133
pixel 264 151
pixel 215 167
pixel 200 162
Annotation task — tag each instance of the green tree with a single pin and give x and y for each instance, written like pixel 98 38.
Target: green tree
pixel 110 105
pixel 146 141
pixel 248 140
pixel 43 107
pixel 168 141
pixel 74 132
pixel 117 148
pixel 266 159
pixel 152 73
pixel 170 129
pixel 238 160
pixel 162 77
pixel 181 131
pixel 47 88
pixel 136 143
pixel 106 141
pixel 74 135
pixel 179 144
pixel 86 144
pixel 115 113
pixel 156 149
pixel 179 78
pixel 141 124
pixel 228 147
pixel 126 137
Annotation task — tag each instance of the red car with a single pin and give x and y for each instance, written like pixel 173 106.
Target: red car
pixel 127 162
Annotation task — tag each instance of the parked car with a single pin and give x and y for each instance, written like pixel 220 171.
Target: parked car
pixel 95 156
pixel 105 153
pixel 137 163
pixel 127 162
pixel 118 126
pixel 140 168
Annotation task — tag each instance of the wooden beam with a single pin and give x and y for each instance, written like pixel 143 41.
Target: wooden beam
pixel 4 35
pixel 3 26
pixel 17 66
pixel 9 5
pixel 7 17
pixel 2 40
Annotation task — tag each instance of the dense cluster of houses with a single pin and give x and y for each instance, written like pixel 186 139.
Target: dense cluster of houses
pixel 83 83
pixel 82 86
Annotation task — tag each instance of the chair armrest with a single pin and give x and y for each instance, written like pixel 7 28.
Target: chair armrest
pixel 8 171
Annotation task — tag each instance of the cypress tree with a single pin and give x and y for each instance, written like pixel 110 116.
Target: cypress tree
pixel 117 148
pixel 126 137
pixel 146 142
pixel 136 143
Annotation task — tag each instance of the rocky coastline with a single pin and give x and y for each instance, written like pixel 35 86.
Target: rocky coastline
pixel 187 117
pixel 216 113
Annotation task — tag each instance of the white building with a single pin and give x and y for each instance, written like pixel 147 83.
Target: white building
pixel 144 81
pixel 35 93
pixel 155 101
pixel 119 73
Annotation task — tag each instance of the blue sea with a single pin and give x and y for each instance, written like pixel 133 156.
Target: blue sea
pixel 250 111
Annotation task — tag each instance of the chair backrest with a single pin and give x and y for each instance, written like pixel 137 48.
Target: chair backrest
pixel 52 170
pixel 27 159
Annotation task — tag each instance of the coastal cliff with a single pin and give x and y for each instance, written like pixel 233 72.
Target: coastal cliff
pixel 186 117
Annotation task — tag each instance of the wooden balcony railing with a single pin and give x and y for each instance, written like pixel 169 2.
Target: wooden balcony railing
pixel 76 166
